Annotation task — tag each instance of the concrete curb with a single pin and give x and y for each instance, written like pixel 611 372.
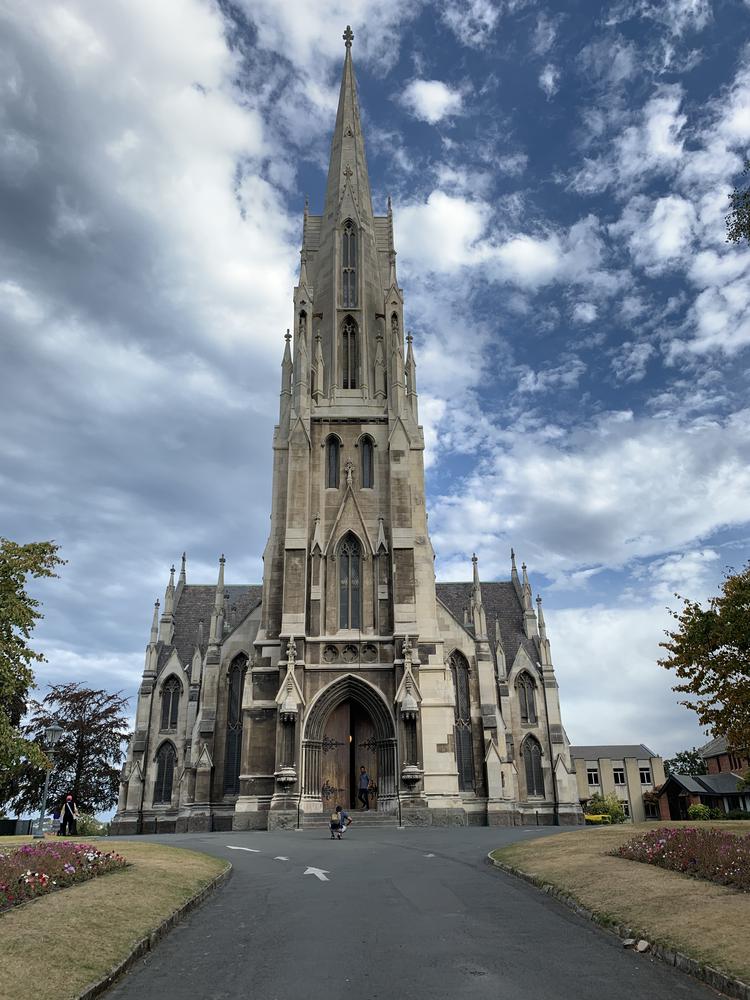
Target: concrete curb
pixel 705 973
pixel 149 942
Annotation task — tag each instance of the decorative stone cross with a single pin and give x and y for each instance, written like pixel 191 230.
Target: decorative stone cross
pixel 349 470
pixel 348 36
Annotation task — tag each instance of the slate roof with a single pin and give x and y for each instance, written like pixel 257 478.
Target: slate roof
pixel 500 602
pixel 714 748
pixel 196 603
pixel 616 752
pixel 724 783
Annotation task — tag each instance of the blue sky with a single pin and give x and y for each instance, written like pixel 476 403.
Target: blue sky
pixel 559 175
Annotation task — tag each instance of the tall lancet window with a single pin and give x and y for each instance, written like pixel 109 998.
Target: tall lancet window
pixel 333 451
pixel 232 757
pixel 349 354
pixel 526 698
pixel 367 463
pixel 170 703
pixel 166 759
pixel 532 759
pixel 462 728
pixel 349 265
pixel 350 599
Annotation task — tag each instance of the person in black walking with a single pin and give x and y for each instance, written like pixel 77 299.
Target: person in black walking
pixel 364 784
pixel 69 817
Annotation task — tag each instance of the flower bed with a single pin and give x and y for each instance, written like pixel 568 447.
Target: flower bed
pixel 707 854
pixel 35 869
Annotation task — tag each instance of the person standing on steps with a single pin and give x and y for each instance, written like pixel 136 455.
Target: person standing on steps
pixel 364 784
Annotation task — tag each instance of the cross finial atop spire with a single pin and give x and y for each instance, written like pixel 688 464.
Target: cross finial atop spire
pixel 348 36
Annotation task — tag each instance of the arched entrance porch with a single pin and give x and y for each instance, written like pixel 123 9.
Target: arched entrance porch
pixel 347 726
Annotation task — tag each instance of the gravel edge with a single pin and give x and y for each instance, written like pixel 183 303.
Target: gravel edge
pixel 149 942
pixel 705 973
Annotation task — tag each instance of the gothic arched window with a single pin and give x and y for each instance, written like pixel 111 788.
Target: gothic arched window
pixel 526 698
pixel 170 703
pixel 532 759
pixel 166 759
pixel 462 728
pixel 368 478
pixel 232 756
pixel 333 450
pixel 349 354
pixel 349 265
pixel 349 583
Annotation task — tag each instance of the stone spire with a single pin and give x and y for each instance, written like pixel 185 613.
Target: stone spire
pixel 477 607
pixel 166 630
pixel 216 632
pixel 348 164
pixel 529 618
pixel 411 377
pixel 285 404
pixel 155 625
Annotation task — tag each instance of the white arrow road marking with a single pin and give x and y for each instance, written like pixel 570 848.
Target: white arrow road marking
pixel 429 855
pixel 318 873
pixel 250 849
pixel 280 859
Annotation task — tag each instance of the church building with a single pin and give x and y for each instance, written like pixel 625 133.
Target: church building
pixel 261 703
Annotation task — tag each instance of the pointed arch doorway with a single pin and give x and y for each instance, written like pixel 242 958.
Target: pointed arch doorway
pixel 348 726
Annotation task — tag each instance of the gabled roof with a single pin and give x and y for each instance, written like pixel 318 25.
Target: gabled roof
pixel 724 783
pixel 500 602
pixel 196 604
pixel 714 748
pixel 616 752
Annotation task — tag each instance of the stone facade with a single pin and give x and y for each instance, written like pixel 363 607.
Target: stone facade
pixel 259 704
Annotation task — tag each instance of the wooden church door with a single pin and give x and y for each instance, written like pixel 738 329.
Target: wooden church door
pixel 335 762
pixel 364 751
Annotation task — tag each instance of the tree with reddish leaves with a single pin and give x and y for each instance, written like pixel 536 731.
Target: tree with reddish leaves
pixel 88 756
pixel 710 654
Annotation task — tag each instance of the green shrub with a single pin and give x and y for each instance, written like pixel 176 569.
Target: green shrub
pixel 89 826
pixel 699 812
pixel 606 805
pixel 738 814
pixel 717 813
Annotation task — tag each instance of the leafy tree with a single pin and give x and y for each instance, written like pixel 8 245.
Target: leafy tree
pixel 738 220
pixel 606 805
pixel 88 755
pixel 710 654
pixel 19 613
pixel 686 762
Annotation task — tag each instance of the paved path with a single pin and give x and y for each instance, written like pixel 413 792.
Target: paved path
pixel 400 914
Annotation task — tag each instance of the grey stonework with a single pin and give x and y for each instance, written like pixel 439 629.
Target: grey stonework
pixel 348 618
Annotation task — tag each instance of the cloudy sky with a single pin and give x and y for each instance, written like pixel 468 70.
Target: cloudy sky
pixel 559 175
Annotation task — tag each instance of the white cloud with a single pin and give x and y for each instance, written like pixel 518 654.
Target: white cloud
pixel 659 234
pixel 584 312
pixel 619 489
pixel 630 359
pixel 472 21
pixel 610 683
pixel 431 100
pixel 545 33
pixel 549 80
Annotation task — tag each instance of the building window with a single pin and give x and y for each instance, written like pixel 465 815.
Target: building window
pixel 652 810
pixel 367 463
pixel 349 265
pixel 625 807
pixel 592 775
pixel 333 450
pixel 463 737
pixel 532 759
pixel 165 763
pixel 349 354
pixel 170 703
pixel 349 583
pixel 233 752
pixel 645 773
pixel 526 698
pixel 619 775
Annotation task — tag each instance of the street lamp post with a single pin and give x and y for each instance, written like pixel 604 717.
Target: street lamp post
pixel 51 735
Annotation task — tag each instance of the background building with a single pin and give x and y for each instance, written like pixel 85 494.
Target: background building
pixel 629 772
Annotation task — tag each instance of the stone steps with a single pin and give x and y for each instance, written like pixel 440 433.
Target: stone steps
pixel 322 821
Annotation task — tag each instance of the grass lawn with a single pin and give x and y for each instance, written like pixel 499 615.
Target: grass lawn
pixel 55 946
pixel 710 923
